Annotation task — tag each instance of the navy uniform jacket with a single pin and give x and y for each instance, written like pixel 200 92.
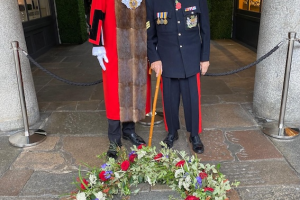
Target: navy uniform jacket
pixel 183 41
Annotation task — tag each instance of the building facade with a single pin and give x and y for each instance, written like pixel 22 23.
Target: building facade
pixel 39 24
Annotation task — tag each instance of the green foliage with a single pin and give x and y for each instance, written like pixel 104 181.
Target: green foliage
pixel 71 21
pixel 220 13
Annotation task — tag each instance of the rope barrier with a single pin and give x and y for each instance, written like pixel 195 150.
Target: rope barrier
pixel 207 74
pixel 57 77
pixel 251 64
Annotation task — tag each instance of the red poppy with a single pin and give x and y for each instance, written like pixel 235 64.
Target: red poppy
pixel 203 175
pixel 208 189
pixel 84 186
pixel 125 165
pixel 180 163
pixel 158 156
pixel 178 5
pixel 191 198
pixel 141 146
pixel 132 157
pixel 102 176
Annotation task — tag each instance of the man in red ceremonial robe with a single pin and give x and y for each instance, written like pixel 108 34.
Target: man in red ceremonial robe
pixel 118 33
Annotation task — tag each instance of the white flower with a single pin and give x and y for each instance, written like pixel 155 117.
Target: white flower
pixel 148 180
pixel 187 183
pixel 100 196
pixel 93 179
pixel 81 196
pixel 141 154
pixel 179 172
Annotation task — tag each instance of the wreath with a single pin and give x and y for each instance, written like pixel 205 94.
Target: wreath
pixel 182 173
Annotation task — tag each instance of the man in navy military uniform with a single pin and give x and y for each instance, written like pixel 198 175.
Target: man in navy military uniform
pixel 178 45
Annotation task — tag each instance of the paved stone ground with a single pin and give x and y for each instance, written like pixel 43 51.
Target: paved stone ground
pixel 74 118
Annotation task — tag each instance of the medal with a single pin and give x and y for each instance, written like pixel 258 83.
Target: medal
pixel 165 21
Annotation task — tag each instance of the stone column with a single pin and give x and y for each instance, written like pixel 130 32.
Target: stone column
pixel 10 109
pixel 278 17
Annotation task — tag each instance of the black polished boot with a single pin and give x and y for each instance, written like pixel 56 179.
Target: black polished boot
pixel 134 138
pixel 198 147
pixel 112 151
pixel 169 140
pixel 128 129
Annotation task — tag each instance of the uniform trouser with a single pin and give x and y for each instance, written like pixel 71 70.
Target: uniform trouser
pixel 189 89
pixel 114 130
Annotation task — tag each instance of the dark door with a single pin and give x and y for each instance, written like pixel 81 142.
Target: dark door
pixel 39 25
pixel 247 21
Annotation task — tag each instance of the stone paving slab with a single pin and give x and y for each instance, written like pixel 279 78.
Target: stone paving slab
pixel 226 116
pixel 215 147
pixel 47 145
pixel 290 192
pixel 40 161
pixel 43 183
pixel 260 173
pixel 214 87
pixel 237 98
pixel 64 93
pixel 62 106
pixel 255 145
pixel 13 181
pixel 290 149
pixel 8 154
pixel 85 149
pixel 77 123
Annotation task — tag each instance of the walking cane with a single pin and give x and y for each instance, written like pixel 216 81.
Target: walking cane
pixel 154 106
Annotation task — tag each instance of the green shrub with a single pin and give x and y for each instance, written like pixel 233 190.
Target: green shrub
pixel 220 13
pixel 71 21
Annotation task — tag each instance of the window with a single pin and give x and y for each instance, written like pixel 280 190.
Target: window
pixel 250 5
pixel 45 9
pixel 22 9
pixel 33 9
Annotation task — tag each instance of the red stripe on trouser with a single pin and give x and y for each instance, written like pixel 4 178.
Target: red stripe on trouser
pixel 199 99
pixel 162 96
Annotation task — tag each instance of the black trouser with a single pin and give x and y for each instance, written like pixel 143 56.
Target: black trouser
pixel 114 130
pixel 189 89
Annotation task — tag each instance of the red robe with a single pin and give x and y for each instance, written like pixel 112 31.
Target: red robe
pixel 122 31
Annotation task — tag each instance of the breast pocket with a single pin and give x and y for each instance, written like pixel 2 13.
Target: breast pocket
pixel 191 19
pixel 164 21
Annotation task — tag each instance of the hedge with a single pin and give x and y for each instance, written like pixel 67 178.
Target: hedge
pixel 71 21
pixel 220 13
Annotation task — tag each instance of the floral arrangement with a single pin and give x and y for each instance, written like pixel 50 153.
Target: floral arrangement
pixel 184 174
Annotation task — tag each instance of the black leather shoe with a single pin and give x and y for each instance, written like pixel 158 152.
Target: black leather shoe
pixel 134 138
pixel 198 147
pixel 112 151
pixel 169 140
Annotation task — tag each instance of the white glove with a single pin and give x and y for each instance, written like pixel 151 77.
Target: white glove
pixel 101 55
